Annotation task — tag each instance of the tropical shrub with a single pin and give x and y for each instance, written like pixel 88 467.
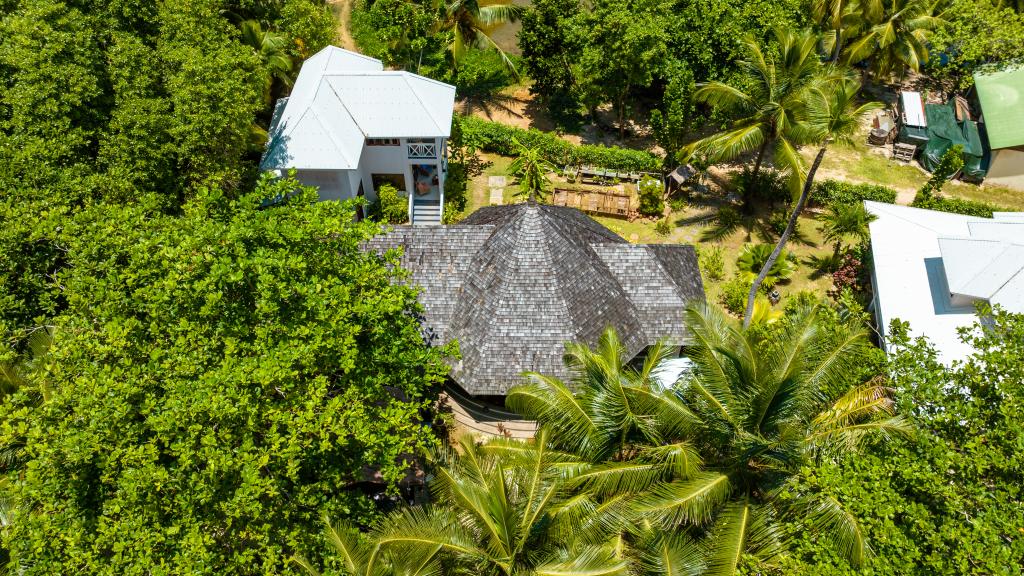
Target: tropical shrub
pixel 734 295
pixel 753 257
pixel 830 192
pixel 849 276
pixel 500 139
pixel 677 204
pixel 951 162
pixel 389 208
pixel 956 206
pixel 651 192
pixel 663 227
pixel 712 261
pixel 946 500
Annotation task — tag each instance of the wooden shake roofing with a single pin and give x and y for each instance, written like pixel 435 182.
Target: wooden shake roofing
pixel 514 283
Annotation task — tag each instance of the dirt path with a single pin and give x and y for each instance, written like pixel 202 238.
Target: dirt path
pixel 343 13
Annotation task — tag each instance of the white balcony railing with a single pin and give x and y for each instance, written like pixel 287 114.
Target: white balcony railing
pixel 422 150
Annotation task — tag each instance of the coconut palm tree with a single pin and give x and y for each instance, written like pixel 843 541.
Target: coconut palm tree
pixel 362 556
pixel 846 221
pixel 832 16
pixel 749 418
pixel 832 115
pixel 500 509
pixel 272 49
pixel 767 101
pixel 470 24
pixel 894 34
pixel 531 169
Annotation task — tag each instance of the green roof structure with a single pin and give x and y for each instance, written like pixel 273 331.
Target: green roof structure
pixel 1002 103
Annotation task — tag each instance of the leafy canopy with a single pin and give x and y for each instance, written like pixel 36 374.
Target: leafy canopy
pixel 223 378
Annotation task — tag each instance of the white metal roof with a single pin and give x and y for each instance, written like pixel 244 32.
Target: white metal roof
pixel 913 109
pixel 923 257
pixel 339 99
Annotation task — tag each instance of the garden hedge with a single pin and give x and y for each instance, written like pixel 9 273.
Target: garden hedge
pixel 956 206
pixel 828 192
pixel 497 138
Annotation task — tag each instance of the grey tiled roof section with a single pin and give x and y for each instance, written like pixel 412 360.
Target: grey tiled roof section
pixel 513 283
pixel 659 280
pixel 437 257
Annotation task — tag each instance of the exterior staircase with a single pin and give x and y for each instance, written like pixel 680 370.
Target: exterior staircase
pixel 426 213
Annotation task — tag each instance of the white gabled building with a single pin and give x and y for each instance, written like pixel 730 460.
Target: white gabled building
pixel 350 126
pixel 930 269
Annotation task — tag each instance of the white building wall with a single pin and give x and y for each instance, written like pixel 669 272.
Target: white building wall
pixel 331 184
pixel 344 184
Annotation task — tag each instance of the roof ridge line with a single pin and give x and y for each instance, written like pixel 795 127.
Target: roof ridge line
pixel 405 78
pixel 347 111
pixel 330 136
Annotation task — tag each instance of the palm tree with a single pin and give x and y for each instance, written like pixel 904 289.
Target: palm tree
pixel 894 34
pixel 831 15
pixel 531 169
pixel 362 556
pixel 843 221
pixel 831 115
pixel 752 258
pixel 767 100
pixel 737 432
pixel 272 49
pixel 470 25
pixel 501 509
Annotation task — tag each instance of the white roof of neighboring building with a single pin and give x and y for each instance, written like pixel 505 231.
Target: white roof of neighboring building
pixel 922 257
pixel 340 99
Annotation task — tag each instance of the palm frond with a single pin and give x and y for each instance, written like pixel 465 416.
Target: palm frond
pixel 686 501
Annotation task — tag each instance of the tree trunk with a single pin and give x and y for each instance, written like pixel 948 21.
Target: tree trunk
pixel 838 44
pixel 790 225
pixel 755 177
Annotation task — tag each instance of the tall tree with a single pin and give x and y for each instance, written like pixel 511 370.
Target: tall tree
pixel 894 35
pixel 832 115
pixel 628 46
pixel 469 24
pixel 722 454
pixel 503 509
pixel 766 101
pixel 214 394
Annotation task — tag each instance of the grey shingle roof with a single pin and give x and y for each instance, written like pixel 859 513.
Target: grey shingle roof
pixel 513 283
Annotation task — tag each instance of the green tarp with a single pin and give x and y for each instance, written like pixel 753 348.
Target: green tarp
pixel 1001 94
pixel 944 132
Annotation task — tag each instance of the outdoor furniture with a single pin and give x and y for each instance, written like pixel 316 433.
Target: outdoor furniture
pixel 595 202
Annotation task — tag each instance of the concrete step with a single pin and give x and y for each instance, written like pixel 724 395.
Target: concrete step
pixel 426 214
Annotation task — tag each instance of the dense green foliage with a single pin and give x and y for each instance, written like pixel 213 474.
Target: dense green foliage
pixel 830 192
pixel 112 101
pixel 651 192
pixel 976 34
pixel 956 206
pixel 389 208
pixel 718 457
pixel 223 378
pixel 500 139
pixel 582 55
pixel 947 500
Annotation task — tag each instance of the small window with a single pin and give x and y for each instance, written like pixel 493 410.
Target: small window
pixel 382 142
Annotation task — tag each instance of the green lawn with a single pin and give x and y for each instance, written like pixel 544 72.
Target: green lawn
pixel 858 163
